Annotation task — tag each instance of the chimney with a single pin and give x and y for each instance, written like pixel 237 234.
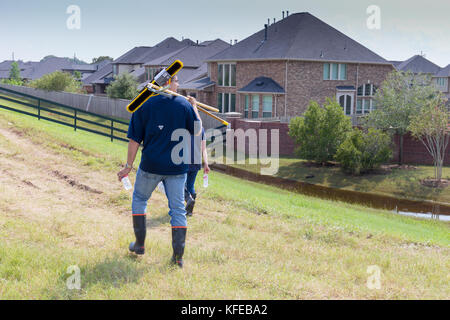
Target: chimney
pixel 287 14
pixel 283 14
pixel 235 41
pixel 265 32
pixel 268 21
pixel 273 20
pixel 197 42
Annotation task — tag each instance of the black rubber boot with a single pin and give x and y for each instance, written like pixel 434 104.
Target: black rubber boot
pixel 190 203
pixel 178 242
pixel 140 230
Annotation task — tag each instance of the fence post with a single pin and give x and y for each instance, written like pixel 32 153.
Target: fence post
pixel 39 109
pixel 75 121
pixel 112 130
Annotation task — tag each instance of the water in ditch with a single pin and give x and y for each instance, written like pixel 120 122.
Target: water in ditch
pixel 418 209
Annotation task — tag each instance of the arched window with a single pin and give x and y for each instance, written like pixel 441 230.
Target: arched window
pixel 367 90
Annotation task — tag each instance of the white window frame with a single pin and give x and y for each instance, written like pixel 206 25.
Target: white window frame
pixel 364 103
pixel 271 105
pixel 352 100
pixel 339 71
pixel 223 74
pixel 229 101
pixel 372 90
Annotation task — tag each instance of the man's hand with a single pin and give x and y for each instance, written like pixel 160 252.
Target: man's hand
pixel 193 101
pixel 122 173
pixel 206 169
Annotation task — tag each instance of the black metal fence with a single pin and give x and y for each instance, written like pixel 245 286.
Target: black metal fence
pixel 115 129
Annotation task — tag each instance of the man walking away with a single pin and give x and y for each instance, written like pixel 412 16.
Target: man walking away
pixel 153 124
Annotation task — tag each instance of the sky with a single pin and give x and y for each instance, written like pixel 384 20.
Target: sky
pixel 33 29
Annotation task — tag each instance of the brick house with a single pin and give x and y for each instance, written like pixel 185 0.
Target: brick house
pixel 194 65
pixel 132 62
pixel 442 81
pixel 275 72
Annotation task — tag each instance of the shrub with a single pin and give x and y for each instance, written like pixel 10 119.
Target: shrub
pixel 320 132
pixel 58 81
pixel 364 151
pixel 12 82
pixel 124 87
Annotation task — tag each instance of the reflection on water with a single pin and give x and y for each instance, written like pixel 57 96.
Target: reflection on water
pixel 440 217
pixel 420 209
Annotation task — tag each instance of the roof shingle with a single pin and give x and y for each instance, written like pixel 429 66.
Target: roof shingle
pixel 300 36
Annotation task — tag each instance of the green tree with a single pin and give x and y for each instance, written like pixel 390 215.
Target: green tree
pixel 123 87
pixel 58 81
pixel 14 73
pixel 431 127
pixel 77 74
pixel 101 58
pixel 364 151
pixel 399 99
pixel 320 132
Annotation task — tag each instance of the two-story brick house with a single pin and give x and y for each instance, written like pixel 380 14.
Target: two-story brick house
pixel 275 72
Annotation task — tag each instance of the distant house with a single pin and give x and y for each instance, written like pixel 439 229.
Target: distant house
pixel 132 62
pixel 86 69
pixel 418 64
pixel 195 67
pixel 277 71
pixel 35 70
pixel 442 81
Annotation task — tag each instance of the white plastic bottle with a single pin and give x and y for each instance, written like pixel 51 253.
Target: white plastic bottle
pixel 205 180
pixel 161 187
pixel 126 183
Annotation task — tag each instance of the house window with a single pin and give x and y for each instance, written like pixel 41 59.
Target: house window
pixel 246 104
pixel 226 75
pixel 220 75
pixel 151 73
pixel 364 106
pixel 219 101
pixel 345 101
pixel 442 82
pixel 226 102
pixel 367 90
pixel 255 106
pixel 233 73
pixel 326 71
pixel 267 106
pixel 115 69
pixel 334 71
pixel 232 102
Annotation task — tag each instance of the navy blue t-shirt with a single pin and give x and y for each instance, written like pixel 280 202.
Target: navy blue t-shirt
pixel 153 124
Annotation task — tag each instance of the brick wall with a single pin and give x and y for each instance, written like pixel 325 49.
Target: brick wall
pixel 304 82
pixel 414 152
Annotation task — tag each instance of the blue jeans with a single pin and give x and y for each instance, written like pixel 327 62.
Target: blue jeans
pixel 174 187
pixel 190 182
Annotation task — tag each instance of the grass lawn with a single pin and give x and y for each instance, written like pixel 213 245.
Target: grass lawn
pixel 400 183
pixel 61 205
